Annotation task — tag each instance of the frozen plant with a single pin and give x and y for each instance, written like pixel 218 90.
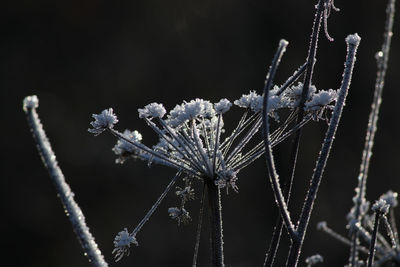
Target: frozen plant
pixel 190 140
pixel 193 141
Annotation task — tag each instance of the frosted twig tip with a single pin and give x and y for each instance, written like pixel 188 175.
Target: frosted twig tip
pixel 381 206
pixel 353 39
pixel 30 102
pixel 283 42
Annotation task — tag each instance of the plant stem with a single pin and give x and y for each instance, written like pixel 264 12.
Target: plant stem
pixel 382 62
pixel 156 204
pixel 373 240
pixel 295 250
pixel 199 225
pixel 72 210
pixel 273 176
pixel 215 213
pixel 309 67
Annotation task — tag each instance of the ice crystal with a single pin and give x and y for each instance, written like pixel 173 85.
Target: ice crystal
pixel 179 214
pixel 391 198
pixel 381 206
pixel 153 110
pixel 30 102
pixel 122 243
pixel 314 259
pixel 103 121
pixel 124 149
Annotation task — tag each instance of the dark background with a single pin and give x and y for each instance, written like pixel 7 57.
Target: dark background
pixel 80 57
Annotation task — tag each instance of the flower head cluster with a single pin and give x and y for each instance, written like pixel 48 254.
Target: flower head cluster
pixel 190 135
pixel 122 243
pixel 103 121
pixel 179 214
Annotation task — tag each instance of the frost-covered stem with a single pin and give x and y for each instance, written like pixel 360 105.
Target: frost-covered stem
pixel 151 152
pixel 340 238
pixel 382 60
pixel 312 51
pixel 273 176
pixel 294 254
pixel 200 148
pixel 373 240
pixel 73 211
pixel 287 187
pixel 394 228
pixel 215 213
pixel 156 204
pixel 296 75
pixel 216 145
pixel 199 225
pixel 390 232
pixel 309 67
pixel 274 244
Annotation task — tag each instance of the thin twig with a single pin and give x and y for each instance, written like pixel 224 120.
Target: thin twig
pixel 156 204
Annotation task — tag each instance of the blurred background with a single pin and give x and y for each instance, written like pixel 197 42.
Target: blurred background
pixel 81 57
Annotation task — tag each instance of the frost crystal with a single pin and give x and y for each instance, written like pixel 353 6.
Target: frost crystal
pixel 227 179
pixel 122 243
pixel 181 215
pixel 321 99
pixel 103 121
pixel 30 102
pixel 222 106
pixel 314 259
pixel 153 110
pixel 124 149
pixel 381 206
pixel 353 39
pixel 251 100
pixel 186 193
pixel 391 198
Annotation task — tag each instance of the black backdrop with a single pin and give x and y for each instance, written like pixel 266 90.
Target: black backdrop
pixel 80 57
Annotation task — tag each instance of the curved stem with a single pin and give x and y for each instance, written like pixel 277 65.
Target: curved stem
pixel 273 176
pixel 72 210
